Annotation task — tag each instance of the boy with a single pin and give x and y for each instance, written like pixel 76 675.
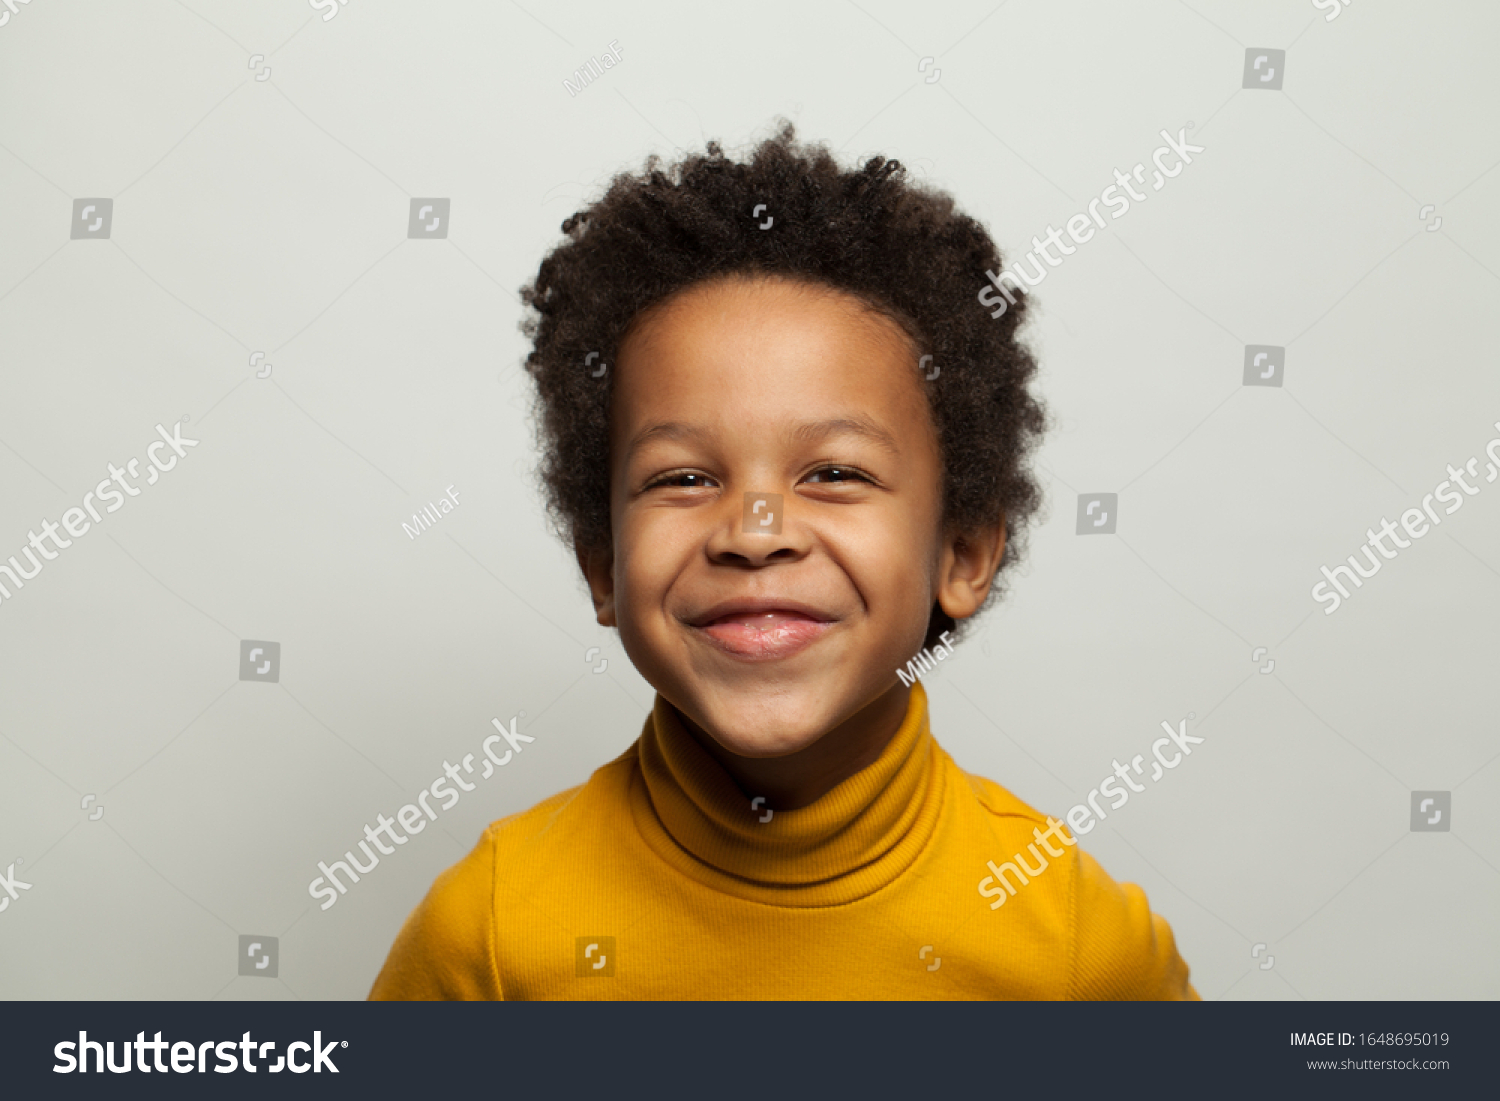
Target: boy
pixel 802 464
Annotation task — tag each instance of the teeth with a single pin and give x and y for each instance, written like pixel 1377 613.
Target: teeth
pixel 760 621
pixel 763 621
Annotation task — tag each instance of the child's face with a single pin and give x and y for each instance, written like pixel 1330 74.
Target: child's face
pixel 768 641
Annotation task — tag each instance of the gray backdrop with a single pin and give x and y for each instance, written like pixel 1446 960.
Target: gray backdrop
pixel 254 272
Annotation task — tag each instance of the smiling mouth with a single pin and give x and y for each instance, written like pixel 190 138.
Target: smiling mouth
pixel 767 635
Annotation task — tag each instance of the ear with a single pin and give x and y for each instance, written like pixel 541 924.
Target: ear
pixel 967 566
pixel 598 566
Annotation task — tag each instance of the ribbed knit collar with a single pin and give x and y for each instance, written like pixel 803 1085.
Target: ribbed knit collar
pixel 854 840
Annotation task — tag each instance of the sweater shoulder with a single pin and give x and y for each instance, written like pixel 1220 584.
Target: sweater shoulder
pixel 558 819
pixel 1117 948
pixel 447 948
pixel 1000 803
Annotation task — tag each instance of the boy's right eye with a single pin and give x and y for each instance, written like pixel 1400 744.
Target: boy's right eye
pixel 682 479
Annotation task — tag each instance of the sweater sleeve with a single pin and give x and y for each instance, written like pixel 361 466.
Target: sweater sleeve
pixel 1122 950
pixel 446 949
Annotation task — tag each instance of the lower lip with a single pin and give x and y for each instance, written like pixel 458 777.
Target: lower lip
pixel 782 639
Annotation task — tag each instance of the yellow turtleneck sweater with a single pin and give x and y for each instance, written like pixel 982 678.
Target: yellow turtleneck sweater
pixel 881 889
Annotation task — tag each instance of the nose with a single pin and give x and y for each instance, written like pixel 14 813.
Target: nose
pixel 757 529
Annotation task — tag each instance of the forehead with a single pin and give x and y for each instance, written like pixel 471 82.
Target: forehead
pixel 753 353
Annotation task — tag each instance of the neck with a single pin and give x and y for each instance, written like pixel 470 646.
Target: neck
pixel 801 778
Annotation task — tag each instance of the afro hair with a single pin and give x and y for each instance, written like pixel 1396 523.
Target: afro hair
pixel 900 247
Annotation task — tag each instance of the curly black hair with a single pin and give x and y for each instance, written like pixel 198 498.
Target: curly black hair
pixel 900 247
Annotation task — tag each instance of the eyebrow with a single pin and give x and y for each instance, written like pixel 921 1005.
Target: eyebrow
pixel 807 432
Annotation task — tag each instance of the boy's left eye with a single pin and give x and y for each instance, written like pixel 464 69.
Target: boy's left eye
pixel 837 474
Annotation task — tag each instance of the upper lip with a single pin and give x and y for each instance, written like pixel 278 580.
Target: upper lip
pixel 758 606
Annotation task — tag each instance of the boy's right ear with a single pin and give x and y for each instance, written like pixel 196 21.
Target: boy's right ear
pixel 598 566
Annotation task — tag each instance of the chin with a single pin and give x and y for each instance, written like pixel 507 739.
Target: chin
pixel 778 745
pixel 758 729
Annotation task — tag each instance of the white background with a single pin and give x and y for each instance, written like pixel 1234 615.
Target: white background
pixel 271 215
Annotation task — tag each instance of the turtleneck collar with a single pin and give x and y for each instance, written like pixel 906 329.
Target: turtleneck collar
pixel 851 842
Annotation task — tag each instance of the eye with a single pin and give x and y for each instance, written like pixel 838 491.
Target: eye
pixel 836 474
pixel 681 479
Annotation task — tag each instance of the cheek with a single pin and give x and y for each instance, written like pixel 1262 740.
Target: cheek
pixel 915 522
pixel 650 551
pixel 891 556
